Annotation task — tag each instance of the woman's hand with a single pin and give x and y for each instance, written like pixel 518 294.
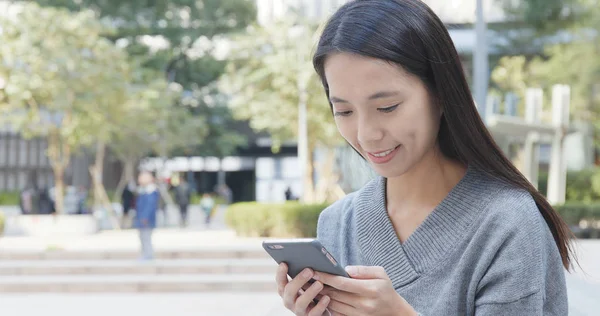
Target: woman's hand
pixel 301 302
pixel 368 291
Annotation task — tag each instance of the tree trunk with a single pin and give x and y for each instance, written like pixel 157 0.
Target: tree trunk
pixel 103 199
pixel 59 192
pixel 58 153
pixel 126 177
pixel 99 170
pixel 100 196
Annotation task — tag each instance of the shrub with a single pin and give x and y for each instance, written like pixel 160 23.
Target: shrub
pixel 583 218
pixel 290 219
pixel 196 197
pixel 9 198
pixel 582 186
pixel 1 223
pixel 574 212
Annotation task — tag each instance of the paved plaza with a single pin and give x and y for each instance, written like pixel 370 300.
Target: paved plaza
pixel 584 297
pixel 583 286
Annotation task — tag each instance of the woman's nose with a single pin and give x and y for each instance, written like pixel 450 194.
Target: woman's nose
pixel 369 130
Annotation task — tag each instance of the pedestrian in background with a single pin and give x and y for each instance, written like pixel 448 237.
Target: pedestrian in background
pixel 128 202
pixel 183 195
pixel 207 203
pixel 146 208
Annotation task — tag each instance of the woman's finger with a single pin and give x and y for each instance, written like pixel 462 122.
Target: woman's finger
pixel 306 298
pixel 341 296
pixel 291 290
pixel 339 308
pixel 281 278
pixel 319 309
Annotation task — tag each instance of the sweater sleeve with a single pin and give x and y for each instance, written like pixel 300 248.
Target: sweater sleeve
pixel 529 305
pixel 525 275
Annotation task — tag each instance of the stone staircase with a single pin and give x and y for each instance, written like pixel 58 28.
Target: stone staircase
pixel 246 269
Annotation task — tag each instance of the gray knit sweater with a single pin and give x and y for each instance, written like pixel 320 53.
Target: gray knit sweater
pixel 484 250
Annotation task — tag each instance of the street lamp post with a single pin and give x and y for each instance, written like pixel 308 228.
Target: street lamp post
pixel 480 65
pixel 302 134
pixel 297 32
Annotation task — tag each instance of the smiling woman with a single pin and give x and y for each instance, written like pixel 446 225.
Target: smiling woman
pixel 450 227
pixel 384 112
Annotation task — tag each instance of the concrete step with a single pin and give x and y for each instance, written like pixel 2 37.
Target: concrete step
pixel 138 283
pixel 132 267
pixel 208 253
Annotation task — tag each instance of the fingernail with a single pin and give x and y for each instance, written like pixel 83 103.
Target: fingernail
pixel 325 299
pixel 316 276
pixel 319 285
pixel 307 273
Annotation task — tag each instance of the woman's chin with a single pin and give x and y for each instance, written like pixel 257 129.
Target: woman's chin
pixel 390 170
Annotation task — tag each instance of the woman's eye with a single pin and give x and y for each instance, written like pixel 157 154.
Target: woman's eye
pixel 388 109
pixel 342 113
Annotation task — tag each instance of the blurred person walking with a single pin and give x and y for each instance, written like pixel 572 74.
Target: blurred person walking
pixel 82 194
pixel 183 195
pixel 225 192
pixel 128 202
pixel 45 203
pixel 145 217
pixel 207 204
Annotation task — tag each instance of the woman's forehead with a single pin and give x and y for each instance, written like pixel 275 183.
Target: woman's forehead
pixel 354 74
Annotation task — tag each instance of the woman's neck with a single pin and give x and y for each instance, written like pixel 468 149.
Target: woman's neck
pixel 424 186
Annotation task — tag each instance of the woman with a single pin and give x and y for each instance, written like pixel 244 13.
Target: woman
pixel 450 227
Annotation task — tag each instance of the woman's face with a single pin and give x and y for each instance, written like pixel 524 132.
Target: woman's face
pixel 384 112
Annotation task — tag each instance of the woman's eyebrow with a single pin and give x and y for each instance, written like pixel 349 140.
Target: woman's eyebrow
pixel 378 95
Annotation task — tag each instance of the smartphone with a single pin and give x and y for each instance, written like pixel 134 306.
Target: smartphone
pixel 300 254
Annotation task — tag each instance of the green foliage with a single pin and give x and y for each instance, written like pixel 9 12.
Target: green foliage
pixel 574 212
pixel 9 198
pixel 582 186
pixel 2 220
pixel 268 68
pixel 583 218
pixel 179 37
pixel 290 219
pixel 196 197
pixel 221 137
pixel 60 75
pixel 61 80
pixel 545 16
pixel 568 60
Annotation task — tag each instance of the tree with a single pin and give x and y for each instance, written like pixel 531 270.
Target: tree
pixel 63 80
pixel 264 78
pixel 178 38
pixel 150 121
pixel 570 29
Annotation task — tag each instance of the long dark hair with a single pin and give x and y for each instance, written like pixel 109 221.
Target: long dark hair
pixel 409 34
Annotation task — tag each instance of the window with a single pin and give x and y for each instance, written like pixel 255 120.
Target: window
pixel 12 151
pixel 34 146
pixel 23 146
pixel 3 150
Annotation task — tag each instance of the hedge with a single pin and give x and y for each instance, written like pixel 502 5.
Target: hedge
pixel 1 223
pixel 284 220
pixel 9 198
pixel 576 213
pixel 582 186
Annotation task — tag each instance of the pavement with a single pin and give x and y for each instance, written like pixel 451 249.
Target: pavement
pixel 583 284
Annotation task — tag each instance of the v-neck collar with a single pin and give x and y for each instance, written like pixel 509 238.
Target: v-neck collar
pixel 430 242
